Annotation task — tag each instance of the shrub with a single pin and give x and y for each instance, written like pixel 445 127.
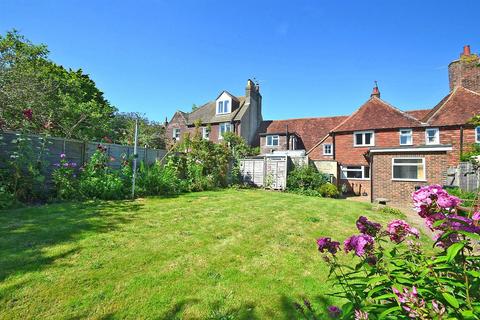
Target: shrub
pixel 7 199
pixel 65 179
pixel 329 190
pixel 392 211
pixel 306 192
pixel 157 179
pixel 305 177
pixel 99 181
pixel 395 278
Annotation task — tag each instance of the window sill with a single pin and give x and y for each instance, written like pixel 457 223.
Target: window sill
pixel 409 180
pixel 363 145
pixel 359 179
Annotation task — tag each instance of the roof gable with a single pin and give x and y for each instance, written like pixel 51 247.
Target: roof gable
pixel 377 114
pixel 457 108
pixel 309 130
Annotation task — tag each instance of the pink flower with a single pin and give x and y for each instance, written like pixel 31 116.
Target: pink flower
pixel 334 312
pixel 326 244
pixel 359 243
pixel 62 155
pixel 368 227
pixel 361 315
pixel 398 230
pixel 410 301
pixel 476 216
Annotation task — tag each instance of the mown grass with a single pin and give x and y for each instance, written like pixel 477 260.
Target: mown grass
pixel 231 254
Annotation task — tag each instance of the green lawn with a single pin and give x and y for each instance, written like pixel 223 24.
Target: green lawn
pixel 229 254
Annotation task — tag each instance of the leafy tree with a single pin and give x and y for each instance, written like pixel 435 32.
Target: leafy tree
pixel 151 133
pixel 59 101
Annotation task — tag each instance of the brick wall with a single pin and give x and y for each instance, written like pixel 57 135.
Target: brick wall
pixel 346 153
pixel 357 187
pixel 317 152
pixel 465 74
pixel 399 192
pixel 282 145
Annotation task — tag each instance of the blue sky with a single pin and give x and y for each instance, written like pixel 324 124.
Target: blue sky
pixel 312 57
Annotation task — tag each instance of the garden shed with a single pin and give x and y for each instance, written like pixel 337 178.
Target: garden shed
pixel 267 171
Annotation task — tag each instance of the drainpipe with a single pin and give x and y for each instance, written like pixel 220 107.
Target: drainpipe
pixel 371 178
pixel 287 137
pixel 333 145
pixel 461 141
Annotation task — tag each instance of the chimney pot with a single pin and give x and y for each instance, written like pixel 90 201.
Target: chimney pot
pixel 466 51
pixel 375 91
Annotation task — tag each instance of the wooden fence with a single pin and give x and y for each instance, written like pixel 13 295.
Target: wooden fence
pixel 269 172
pixel 76 151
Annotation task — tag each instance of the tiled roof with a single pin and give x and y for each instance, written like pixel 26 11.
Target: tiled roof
pixel 455 109
pixel 207 112
pixel 377 114
pixel 309 130
pixel 418 114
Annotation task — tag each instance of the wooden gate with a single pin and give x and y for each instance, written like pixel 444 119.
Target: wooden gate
pixel 269 172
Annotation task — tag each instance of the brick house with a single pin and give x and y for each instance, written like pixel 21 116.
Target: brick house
pixel 382 151
pixel 227 113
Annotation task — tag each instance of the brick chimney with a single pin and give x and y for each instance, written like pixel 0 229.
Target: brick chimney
pixel 465 72
pixel 375 91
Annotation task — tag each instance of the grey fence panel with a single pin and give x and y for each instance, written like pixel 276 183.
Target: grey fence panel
pixel 468 179
pixel 75 150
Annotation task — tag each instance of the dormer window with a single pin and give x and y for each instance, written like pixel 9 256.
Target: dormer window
pixel 223 107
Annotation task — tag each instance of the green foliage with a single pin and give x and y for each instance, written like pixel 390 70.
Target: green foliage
pixel 305 177
pixel 24 175
pixel 7 199
pixel 329 190
pixel 99 181
pixel 63 102
pixel 467 197
pixel 64 179
pixel 157 179
pixel 396 277
pixel 472 152
pixel 151 133
pixel 392 211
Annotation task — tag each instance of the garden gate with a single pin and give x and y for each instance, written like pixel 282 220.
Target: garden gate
pixel 269 171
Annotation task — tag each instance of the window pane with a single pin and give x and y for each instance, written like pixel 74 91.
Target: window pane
pixel 478 134
pixel 354 174
pixel 405 172
pixel 225 106
pixel 358 139
pixel 368 138
pixel 353 168
pixel 220 107
pixel 366 174
pixel 406 139
pixel 413 161
pixel 269 140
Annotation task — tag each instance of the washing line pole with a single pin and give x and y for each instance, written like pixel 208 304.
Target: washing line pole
pixel 135 156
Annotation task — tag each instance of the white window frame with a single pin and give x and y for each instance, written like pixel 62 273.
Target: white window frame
pixel 400 134
pixel 205 133
pixel 220 134
pixel 225 109
pixel 372 140
pixel 273 137
pixel 176 133
pixel 477 135
pixel 406 164
pixel 437 136
pixel 344 170
pixel 325 153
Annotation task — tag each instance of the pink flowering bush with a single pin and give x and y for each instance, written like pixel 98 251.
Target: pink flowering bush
pixel 393 277
pixel 64 178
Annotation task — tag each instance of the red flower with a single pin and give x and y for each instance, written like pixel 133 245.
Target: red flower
pixel 28 114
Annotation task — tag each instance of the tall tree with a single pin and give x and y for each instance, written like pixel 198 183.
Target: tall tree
pixel 59 101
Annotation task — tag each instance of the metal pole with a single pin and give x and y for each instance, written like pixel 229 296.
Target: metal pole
pixel 135 156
